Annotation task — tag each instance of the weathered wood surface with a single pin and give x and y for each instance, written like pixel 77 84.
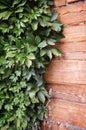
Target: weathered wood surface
pixel 66 71
pixel 72 8
pixel 53 126
pixel 66 76
pixel 75 33
pixel 70 112
pixel 60 2
pixel 72 47
pixel 69 92
pixel 73 17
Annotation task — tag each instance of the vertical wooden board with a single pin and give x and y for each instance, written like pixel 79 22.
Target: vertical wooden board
pixel 68 112
pixel 66 71
pixel 71 92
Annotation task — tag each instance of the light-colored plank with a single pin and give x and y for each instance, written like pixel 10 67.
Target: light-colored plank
pixel 74 33
pixel 75 56
pixel 66 71
pixel 59 2
pixel 72 8
pixel 67 112
pixel 73 18
pixel 73 92
pixel 72 47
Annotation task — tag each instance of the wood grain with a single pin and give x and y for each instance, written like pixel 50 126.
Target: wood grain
pixel 66 71
pixel 71 92
pixel 60 2
pixel 72 46
pixel 72 8
pixel 75 33
pixel 67 112
pixel 73 18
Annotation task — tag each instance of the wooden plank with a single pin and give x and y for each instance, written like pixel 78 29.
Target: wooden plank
pixel 73 18
pixel 66 71
pixel 73 92
pixel 72 8
pixel 72 47
pixel 67 112
pixel 69 1
pixel 74 56
pixel 75 33
pixel 59 2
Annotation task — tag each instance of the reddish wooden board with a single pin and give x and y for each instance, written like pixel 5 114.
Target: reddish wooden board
pixel 72 8
pixel 60 2
pixel 73 17
pixel 75 33
pixel 71 92
pixel 66 71
pixel 67 112
pixel 66 76
pixel 72 46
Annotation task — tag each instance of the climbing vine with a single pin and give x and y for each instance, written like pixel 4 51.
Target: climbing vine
pixel 28 33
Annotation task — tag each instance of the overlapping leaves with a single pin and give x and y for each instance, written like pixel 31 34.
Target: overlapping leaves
pixel 28 33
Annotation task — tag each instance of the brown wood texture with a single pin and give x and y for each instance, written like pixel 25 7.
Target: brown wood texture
pixel 75 33
pixel 60 2
pixel 75 13
pixel 66 76
pixel 71 92
pixel 70 112
pixel 66 71
pixel 72 8
pixel 73 18
pixel 72 47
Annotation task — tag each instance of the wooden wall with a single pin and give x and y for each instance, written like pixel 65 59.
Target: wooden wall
pixel 66 77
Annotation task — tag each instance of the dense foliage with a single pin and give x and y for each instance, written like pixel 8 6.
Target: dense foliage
pixel 28 33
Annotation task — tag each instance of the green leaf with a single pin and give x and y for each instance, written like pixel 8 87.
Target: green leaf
pixel 18 123
pixel 31 56
pixel 15 2
pixel 10 54
pixel 50 2
pixel 19 10
pixel 56 52
pixel 2 6
pixel 54 16
pixel 35 25
pixel 51 42
pixel 43 52
pixel 5 15
pixel 57 26
pixel 5 127
pixel 49 53
pixel 42 44
pixel 41 97
pixel 28 63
